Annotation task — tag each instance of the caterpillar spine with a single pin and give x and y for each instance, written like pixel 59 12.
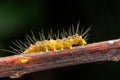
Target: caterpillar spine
pixel 64 40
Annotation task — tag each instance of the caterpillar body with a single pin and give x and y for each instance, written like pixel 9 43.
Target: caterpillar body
pixel 63 40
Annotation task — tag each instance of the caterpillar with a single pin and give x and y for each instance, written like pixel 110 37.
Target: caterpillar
pixel 63 40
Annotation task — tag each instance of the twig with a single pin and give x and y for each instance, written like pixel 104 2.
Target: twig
pixel 17 65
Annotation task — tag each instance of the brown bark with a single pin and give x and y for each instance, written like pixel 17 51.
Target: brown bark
pixel 17 65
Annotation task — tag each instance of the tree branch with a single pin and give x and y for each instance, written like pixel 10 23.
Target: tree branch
pixel 17 65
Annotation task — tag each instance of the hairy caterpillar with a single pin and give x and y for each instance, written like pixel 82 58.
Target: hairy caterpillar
pixel 63 40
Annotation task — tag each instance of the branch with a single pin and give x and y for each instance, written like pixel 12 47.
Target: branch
pixel 17 65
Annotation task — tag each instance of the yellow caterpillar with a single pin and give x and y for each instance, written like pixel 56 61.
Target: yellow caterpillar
pixel 66 41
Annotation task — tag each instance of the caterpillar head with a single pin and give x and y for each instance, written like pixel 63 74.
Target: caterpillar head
pixel 77 40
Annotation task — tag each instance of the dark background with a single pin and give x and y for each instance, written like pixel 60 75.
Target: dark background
pixel 19 17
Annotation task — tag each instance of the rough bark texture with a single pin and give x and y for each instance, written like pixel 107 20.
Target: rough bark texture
pixel 17 65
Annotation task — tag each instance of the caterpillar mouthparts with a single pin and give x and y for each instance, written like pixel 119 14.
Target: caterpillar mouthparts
pixel 64 40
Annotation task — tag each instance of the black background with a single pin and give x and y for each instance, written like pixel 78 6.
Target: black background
pixel 19 17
